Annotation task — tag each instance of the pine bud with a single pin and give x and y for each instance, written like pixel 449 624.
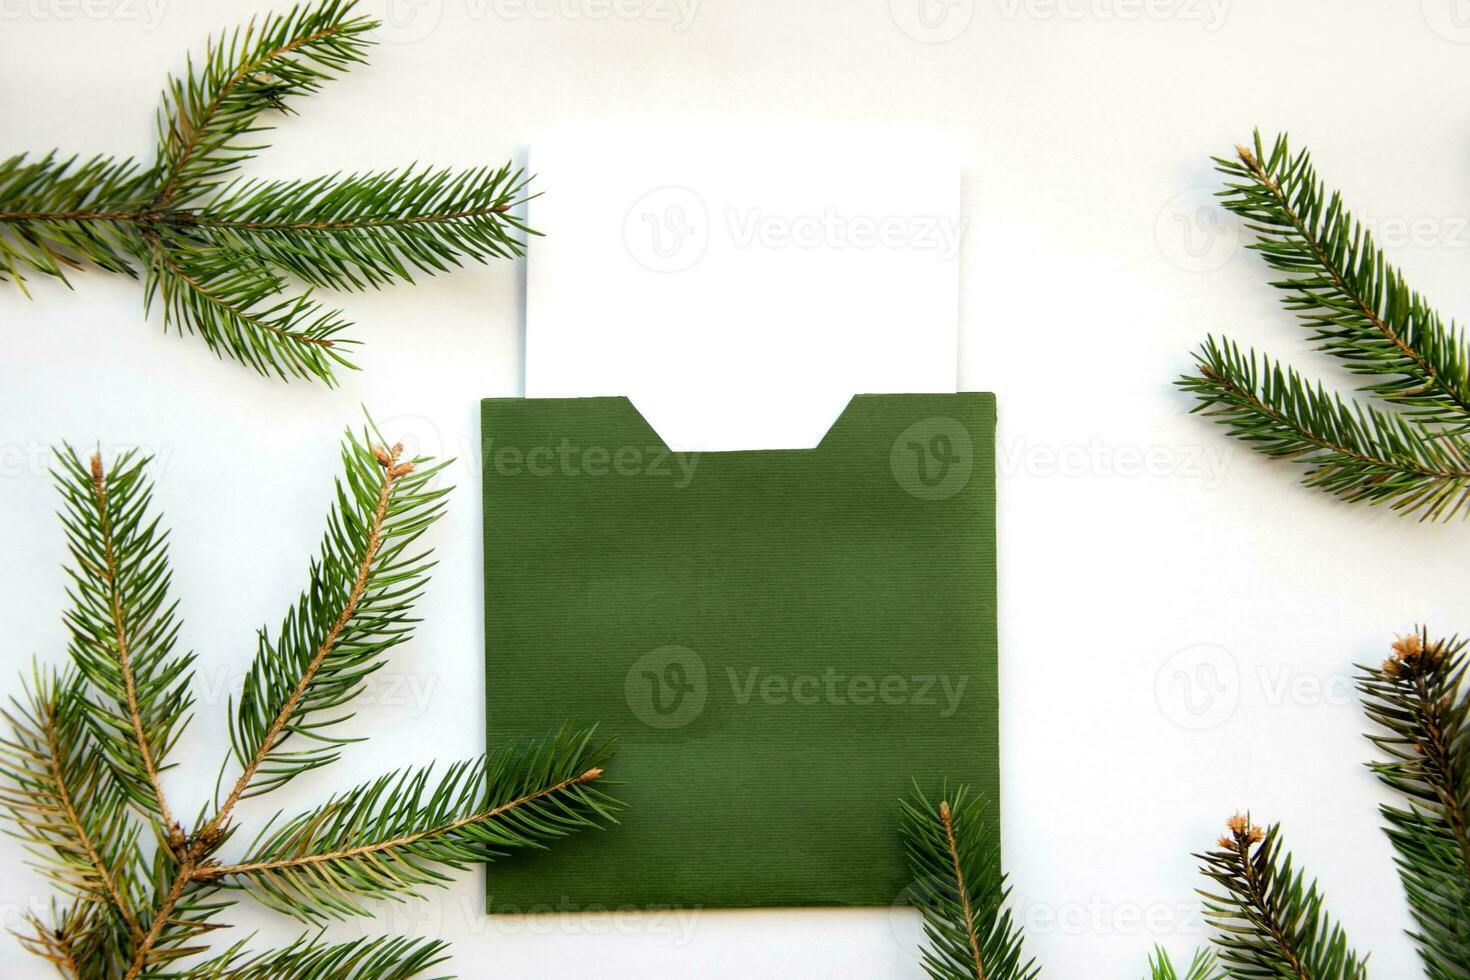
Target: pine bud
pixel 97 467
pixel 381 455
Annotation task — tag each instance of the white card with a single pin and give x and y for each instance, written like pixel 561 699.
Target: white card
pixel 741 282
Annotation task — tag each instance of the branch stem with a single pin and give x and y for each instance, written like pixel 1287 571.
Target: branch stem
pixel 1256 404
pixel 947 819
pixel 1265 912
pixel 378 847
pixel 73 818
pixel 124 655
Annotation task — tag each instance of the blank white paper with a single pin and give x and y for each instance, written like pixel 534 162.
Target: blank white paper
pixel 741 282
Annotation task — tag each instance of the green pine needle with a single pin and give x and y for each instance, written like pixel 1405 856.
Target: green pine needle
pixel 217 252
pixel 954 855
pixel 1270 921
pixel 385 839
pixel 1351 450
pixel 1418 700
pixel 1355 303
pixel 1358 308
pixel 81 764
pixel 381 958
pixel 356 607
pixel 67 807
pixel 1202 967
pixel 122 621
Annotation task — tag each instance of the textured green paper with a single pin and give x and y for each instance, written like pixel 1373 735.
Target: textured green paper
pixel 779 640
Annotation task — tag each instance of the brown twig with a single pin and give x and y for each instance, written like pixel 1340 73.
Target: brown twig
pixel 306 860
pixel 946 818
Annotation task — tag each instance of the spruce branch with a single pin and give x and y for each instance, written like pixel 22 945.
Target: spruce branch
pixel 365 230
pixel 385 838
pixel 1357 306
pixel 954 854
pixel 1418 701
pixel 63 799
pixel 1359 309
pixel 355 609
pixel 209 118
pixel 240 309
pixel 382 958
pixel 56 215
pixel 79 770
pixel 122 621
pixel 1271 922
pixel 217 252
pixel 1351 450
pixel 82 940
pixel 1202 967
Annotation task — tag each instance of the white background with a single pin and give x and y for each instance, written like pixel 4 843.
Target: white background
pixel 1129 531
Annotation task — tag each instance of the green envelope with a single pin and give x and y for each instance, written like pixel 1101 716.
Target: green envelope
pixel 780 641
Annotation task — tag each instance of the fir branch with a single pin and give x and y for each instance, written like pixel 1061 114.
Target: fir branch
pixel 1202 967
pixel 83 941
pixel 361 230
pixel 1358 306
pixel 209 115
pixel 355 609
pixel 122 622
pixel 67 808
pixel 1418 700
pixel 1271 922
pixel 215 251
pixel 57 215
pixel 82 763
pixel 310 959
pixel 236 305
pixel 954 854
pixel 383 839
pixel 1351 450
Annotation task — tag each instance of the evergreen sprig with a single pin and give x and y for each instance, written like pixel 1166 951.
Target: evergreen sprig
pixel 214 250
pixel 1350 449
pixel 1359 309
pixel 954 855
pixel 1270 920
pixel 308 958
pixel 82 766
pixel 1203 967
pixel 1418 700
pixel 384 838
pixel 356 607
